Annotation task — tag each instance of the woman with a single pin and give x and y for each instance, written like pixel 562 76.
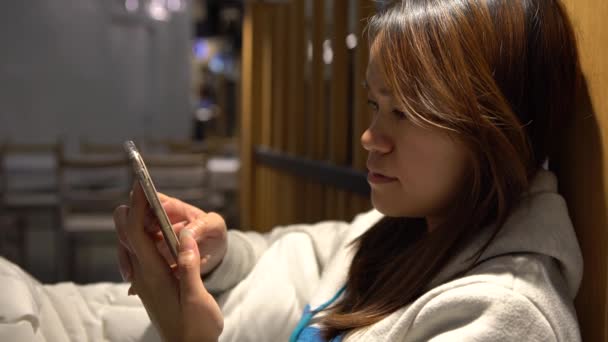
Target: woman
pixel 469 239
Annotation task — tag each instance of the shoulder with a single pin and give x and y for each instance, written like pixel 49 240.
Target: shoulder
pixel 479 311
pixel 504 299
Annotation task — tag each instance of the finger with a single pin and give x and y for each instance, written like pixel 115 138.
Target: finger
pixel 141 243
pixel 161 245
pixel 180 211
pixel 209 226
pixel 192 290
pixel 197 227
pixel 150 220
pixel 124 263
pixel 154 229
pixel 164 198
pixel 120 224
pixel 175 271
pixel 163 249
pixel 175 209
pixel 177 227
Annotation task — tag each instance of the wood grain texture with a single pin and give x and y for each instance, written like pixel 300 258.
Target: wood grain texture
pixel 361 118
pixel 246 113
pixel 582 173
pixel 316 125
pixel 338 116
pixel 338 134
pixel 298 114
pixel 284 198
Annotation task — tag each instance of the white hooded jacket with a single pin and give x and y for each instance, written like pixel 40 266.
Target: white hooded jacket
pixel 521 290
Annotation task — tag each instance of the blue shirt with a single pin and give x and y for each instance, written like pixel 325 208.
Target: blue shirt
pixel 305 333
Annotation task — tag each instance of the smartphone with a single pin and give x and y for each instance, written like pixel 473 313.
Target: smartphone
pixel 143 176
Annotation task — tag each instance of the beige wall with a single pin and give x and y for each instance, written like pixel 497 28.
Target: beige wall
pixel 88 68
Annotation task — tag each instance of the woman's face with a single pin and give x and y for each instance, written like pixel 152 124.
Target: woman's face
pixel 413 171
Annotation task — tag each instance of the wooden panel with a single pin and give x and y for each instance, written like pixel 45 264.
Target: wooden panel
pixel 279 79
pixel 256 125
pixel 296 65
pixel 247 108
pixel 280 82
pixel 285 111
pixel 361 118
pixel 264 187
pixel 256 115
pixel 338 143
pixel 360 115
pixel 296 118
pixel 583 175
pixel 265 81
pixel 339 116
pixel 317 125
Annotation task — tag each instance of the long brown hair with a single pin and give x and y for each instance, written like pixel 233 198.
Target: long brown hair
pixel 500 76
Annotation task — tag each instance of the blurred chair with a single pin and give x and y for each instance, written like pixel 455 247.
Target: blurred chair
pixel 222 172
pixel 90 187
pixel 12 234
pixel 13 244
pixel 187 146
pixel 171 145
pixel 183 176
pixel 211 146
pixel 29 188
pixel 30 174
pixel 88 147
pixel 2 174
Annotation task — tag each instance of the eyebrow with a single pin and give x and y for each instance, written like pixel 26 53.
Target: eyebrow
pixel 383 91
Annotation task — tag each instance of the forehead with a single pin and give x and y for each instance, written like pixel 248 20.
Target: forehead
pixel 374 76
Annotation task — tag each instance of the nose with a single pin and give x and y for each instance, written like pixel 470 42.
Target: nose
pixel 373 140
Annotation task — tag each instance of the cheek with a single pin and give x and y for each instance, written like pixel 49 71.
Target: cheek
pixel 444 177
pixel 432 172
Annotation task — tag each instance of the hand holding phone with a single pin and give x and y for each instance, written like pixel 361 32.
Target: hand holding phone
pixel 143 176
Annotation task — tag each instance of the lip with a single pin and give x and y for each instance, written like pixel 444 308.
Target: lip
pixel 378 178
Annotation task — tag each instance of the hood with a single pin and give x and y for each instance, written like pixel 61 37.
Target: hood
pixel 539 224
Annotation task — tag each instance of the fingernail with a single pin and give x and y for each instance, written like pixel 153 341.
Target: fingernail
pixel 186 239
pixel 126 274
pixel 124 266
pixel 186 247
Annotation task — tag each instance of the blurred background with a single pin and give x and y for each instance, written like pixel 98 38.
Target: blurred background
pixel 249 109
pixel 79 78
pixel 252 109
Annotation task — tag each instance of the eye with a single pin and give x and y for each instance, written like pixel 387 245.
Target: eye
pixel 399 114
pixel 373 105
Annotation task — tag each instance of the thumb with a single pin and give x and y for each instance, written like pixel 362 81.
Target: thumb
pixel 189 267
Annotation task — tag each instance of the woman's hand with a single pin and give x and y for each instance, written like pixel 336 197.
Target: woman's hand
pixel 209 230
pixel 180 308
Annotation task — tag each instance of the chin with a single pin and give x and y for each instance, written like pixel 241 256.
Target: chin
pixel 391 207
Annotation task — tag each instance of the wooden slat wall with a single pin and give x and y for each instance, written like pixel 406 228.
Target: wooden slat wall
pixel 316 124
pixel 294 111
pixel 338 142
pixel 299 114
pixel 361 115
pixel 247 102
pixel 583 176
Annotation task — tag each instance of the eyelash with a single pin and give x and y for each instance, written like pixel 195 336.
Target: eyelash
pixel 374 106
